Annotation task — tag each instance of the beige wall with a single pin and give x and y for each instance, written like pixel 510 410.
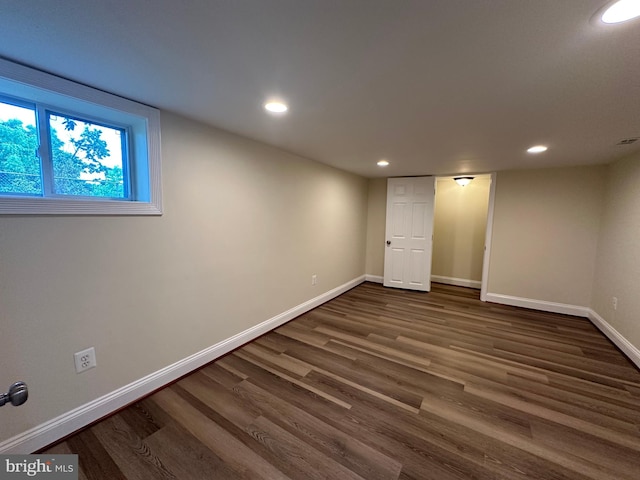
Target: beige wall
pixel 545 233
pixel 618 259
pixel 460 223
pixel 376 218
pixel 245 226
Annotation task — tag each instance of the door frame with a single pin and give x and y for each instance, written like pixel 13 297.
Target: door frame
pixel 488 238
pixel 488 230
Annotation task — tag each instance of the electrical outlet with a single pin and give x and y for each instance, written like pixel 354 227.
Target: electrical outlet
pixel 314 279
pixel 614 302
pixel 85 359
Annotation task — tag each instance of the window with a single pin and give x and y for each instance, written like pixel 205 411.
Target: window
pixel 20 170
pixel 82 158
pixel 67 148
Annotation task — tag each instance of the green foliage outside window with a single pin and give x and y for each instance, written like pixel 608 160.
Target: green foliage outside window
pixel 82 163
pixel 19 165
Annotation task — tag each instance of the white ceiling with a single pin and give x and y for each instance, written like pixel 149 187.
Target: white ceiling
pixel 434 86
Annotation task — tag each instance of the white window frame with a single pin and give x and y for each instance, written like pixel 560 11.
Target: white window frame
pixel 142 121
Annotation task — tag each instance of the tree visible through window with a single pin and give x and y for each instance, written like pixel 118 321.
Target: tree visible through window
pixel 20 170
pixel 85 158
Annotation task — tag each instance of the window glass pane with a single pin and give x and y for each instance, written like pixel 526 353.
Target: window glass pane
pixel 20 171
pixel 88 158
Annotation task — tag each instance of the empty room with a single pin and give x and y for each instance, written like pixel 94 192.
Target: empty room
pixel 318 239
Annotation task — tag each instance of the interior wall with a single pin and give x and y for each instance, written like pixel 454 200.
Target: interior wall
pixel 245 226
pixel 618 258
pixel 460 224
pixel 376 224
pixel 545 233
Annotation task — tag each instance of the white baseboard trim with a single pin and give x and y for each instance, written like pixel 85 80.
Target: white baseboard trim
pixel 612 334
pixel 631 351
pixel 459 282
pixel 374 278
pixel 67 423
pixel 538 304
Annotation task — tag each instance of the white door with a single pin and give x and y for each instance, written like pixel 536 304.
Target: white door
pixel 407 257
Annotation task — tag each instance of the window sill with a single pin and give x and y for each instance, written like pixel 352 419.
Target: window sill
pixel 56 206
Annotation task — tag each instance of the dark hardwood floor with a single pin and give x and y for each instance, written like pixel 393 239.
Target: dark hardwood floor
pixel 389 384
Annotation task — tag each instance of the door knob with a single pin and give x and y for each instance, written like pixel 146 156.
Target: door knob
pixel 17 394
pixel 388 242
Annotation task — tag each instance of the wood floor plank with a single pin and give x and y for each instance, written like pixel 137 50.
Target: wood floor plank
pixel 355 352
pixel 302 393
pixel 357 456
pixel 224 444
pixel 221 375
pixel 296 332
pixel 132 454
pixel 623 461
pixel 296 458
pixel 611 410
pixel 375 346
pixel 93 459
pixel 523 442
pixel 429 436
pixel 585 423
pixel 287 378
pixel 386 384
pixel 187 458
pixel 208 391
pixel 63 448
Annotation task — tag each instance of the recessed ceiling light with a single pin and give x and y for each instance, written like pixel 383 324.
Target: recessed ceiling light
pixel 537 149
pixel 276 107
pixel 621 11
pixel 383 163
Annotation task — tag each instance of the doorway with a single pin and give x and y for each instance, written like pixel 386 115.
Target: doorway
pixel 460 231
pixel 463 234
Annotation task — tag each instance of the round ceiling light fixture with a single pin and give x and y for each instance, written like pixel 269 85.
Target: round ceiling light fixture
pixel 383 163
pixel 463 181
pixel 537 149
pixel 276 107
pixel 621 11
